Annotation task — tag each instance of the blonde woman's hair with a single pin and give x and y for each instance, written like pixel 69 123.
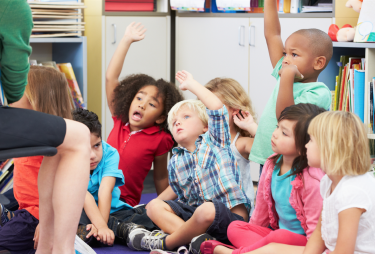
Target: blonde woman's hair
pixel 195 105
pixel 342 141
pixel 48 92
pixel 233 96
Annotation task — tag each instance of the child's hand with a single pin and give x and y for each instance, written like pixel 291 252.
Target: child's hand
pixel 36 237
pixel 293 70
pixel 135 32
pixel 185 79
pixel 93 231
pixel 106 236
pixel 245 122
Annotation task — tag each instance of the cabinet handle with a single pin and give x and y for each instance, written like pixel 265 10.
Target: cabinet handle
pixel 252 28
pixel 239 36
pixel 114 33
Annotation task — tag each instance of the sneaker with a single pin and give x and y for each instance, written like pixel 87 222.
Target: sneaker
pixel 142 239
pixel 124 229
pixel 81 247
pixel 196 242
pixel 82 233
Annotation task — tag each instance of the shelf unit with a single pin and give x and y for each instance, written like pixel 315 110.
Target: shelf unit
pixel 162 9
pixel 64 50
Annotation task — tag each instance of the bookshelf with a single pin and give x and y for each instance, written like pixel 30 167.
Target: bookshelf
pixel 64 50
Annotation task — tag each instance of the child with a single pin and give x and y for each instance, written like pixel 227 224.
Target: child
pixel 47 91
pixel 296 69
pixel 139 106
pixel 104 215
pixel 203 175
pixel 339 145
pixel 62 177
pixel 241 117
pixel 288 197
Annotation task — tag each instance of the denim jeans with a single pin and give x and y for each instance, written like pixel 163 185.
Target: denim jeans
pixel 136 215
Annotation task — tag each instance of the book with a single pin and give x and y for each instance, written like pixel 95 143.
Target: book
pixel 334 108
pixel 373 105
pixel 342 88
pixel 371 108
pixel 359 93
pixel 67 69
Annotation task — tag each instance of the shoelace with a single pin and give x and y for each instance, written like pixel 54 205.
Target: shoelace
pixel 152 241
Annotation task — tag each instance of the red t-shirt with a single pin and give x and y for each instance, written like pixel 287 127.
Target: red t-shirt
pixel 137 151
pixel 25 183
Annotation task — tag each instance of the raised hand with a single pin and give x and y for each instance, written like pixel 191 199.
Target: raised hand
pixel 245 122
pixel 135 32
pixel 185 79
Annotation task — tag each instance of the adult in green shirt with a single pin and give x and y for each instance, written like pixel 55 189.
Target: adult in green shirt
pixel 63 178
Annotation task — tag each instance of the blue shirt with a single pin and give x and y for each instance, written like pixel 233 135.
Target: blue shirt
pixel 281 188
pixel 108 166
pixel 211 171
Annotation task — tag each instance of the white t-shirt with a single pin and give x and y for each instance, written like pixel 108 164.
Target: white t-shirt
pixel 352 191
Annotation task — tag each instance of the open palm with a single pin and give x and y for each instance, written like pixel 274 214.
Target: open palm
pixel 135 31
pixel 185 79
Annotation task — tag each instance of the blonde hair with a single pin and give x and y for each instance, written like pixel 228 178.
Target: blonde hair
pixel 48 92
pixel 342 140
pixel 233 96
pixel 195 105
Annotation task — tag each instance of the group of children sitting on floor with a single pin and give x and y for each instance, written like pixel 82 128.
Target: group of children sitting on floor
pixel 314 193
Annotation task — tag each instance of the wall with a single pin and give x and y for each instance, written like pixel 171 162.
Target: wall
pixel 93 19
pixel 345 15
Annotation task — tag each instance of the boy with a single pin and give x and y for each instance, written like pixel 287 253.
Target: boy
pixel 203 175
pixel 296 69
pixel 105 215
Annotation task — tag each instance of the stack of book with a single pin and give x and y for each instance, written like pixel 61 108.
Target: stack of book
pixel 67 69
pixel 350 85
pixel 130 5
pixel 188 5
pixel 57 19
pixel 6 175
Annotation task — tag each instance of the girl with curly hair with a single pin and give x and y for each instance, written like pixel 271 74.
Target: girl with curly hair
pixel 139 105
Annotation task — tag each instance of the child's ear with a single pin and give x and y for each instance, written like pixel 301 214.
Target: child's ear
pixel 319 63
pixel 205 129
pixel 235 112
pixel 161 119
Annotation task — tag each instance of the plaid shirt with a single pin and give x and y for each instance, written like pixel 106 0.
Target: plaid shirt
pixel 211 171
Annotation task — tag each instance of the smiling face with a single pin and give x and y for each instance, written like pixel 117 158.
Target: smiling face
pixel 283 141
pixel 96 151
pixel 298 52
pixel 146 109
pixel 187 126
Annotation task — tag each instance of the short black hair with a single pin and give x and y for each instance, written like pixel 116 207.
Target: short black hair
pixel 129 87
pixel 88 118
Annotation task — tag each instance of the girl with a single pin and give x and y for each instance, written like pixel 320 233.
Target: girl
pixel 288 199
pixel 242 124
pixel 139 106
pixel 46 91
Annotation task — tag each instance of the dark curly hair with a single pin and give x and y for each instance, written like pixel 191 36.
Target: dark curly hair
pixel 88 118
pixel 302 113
pixel 129 87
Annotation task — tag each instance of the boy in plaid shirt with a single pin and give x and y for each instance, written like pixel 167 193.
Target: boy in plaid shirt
pixel 203 177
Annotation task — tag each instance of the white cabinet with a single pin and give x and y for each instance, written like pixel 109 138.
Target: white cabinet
pixel 212 47
pixel 150 56
pixel 209 47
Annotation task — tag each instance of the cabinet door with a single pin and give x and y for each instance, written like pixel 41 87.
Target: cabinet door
pixel 261 81
pixel 210 47
pixel 150 56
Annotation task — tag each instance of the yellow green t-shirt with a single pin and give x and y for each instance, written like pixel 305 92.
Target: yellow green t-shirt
pixel 316 93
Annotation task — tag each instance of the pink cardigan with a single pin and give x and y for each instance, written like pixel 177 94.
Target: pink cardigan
pixel 305 198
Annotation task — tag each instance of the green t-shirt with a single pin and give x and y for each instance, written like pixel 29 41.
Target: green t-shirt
pixel 16 23
pixel 314 92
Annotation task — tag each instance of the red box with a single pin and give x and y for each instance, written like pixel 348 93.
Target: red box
pixel 129 5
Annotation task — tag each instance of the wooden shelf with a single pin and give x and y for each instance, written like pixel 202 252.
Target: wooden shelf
pixel 58 39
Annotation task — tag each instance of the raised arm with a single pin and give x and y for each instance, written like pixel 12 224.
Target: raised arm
pixel 272 31
pixel 134 32
pixel 187 82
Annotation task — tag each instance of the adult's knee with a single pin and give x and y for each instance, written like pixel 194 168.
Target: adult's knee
pixel 77 137
pixel 205 214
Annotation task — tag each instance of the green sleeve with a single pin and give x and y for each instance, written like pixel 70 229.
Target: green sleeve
pixel 15 30
pixel 278 66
